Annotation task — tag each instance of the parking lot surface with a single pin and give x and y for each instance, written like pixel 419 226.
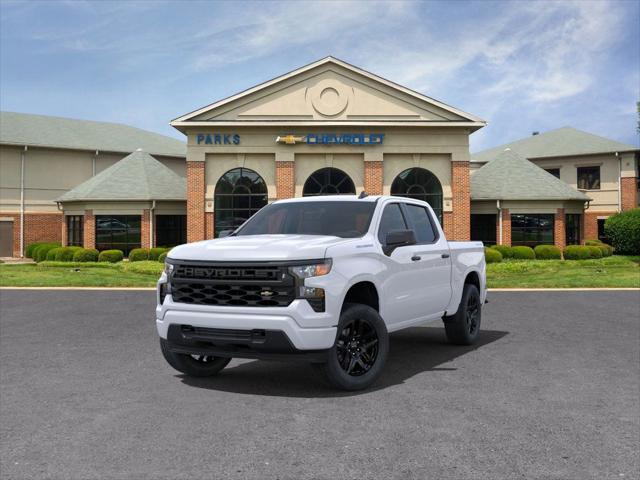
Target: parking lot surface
pixel 551 391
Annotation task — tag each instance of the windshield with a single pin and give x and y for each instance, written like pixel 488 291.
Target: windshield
pixel 340 219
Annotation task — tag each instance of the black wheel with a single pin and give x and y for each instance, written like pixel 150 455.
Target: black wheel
pixel 194 365
pixel 463 328
pixel 360 351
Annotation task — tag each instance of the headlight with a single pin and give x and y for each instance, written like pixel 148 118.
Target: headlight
pixel 168 268
pixel 314 270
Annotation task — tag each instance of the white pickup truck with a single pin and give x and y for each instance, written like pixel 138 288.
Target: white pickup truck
pixel 324 279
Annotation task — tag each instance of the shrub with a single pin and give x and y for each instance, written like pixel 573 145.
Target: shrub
pixel 593 243
pixel 594 252
pixel 492 255
pixel 154 253
pixel 523 253
pixel 40 252
pixel 504 250
pixel 147 267
pixel 86 255
pixel 139 254
pixel 547 252
pixel 30 250
pixel 623 229
pixel 162 257
pixel 51 254
pixel 576 252
pixel 111 256
pixel 65 254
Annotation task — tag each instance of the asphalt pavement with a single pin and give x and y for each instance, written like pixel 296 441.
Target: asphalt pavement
pixel 551 391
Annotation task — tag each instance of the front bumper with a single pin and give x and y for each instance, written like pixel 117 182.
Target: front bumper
pixel 304 328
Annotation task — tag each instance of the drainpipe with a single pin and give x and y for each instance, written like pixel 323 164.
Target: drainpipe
pixel 23 154
pixel 151 215
pixel 619 181
pixel 499 221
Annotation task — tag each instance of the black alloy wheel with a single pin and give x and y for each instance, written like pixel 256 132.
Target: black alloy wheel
pixel 472 313
pixel 357 347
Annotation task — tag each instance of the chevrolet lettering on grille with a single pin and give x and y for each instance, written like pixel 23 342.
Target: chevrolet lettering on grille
pixel 218 272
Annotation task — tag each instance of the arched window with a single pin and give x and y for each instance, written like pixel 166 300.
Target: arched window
pixel 239 194
pixel 328 181
pixel 420 184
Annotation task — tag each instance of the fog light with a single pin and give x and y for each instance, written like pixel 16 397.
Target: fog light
pixel 311 292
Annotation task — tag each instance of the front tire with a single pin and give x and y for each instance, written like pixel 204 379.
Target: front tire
pixel 463 328
pixel 193 365
pixel 360 351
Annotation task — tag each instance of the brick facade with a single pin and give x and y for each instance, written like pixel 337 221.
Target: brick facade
pixel 447 224
pixel 63 231
pixel 559 231
pixel 209 222
pixel 145 229
pixel 590 224
pixel 38 227
pixel 506 227
pixel 629 193
pixel 89 229
pixel 195 202
pixel 285 180
pixel 373 177
pixel 461 201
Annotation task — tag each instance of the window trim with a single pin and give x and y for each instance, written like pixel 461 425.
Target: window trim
pixel 436 232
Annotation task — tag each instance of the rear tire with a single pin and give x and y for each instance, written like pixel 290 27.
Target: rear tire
pixel 463 328
pixel 193 365
pixel 360 351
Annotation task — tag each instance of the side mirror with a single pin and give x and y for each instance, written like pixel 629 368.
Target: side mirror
pixel 398 238
pixel 224 233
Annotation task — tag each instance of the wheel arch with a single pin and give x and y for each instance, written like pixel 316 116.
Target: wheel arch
pixel 365 292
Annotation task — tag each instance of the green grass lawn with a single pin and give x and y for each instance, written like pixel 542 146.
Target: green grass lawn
pixel 616 271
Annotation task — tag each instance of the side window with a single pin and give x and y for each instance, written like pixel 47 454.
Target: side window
pixel 392 219
pixel 419 217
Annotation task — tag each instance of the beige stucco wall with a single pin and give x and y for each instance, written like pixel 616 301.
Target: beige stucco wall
pixel 526 206
pixel 125 208
pixel 429 148
pixel 50 172
pixel 604 199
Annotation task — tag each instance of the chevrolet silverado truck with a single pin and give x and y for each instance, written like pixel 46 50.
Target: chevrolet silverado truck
pixel 324 279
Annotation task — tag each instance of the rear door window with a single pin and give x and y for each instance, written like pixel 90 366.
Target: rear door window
pixel 421 221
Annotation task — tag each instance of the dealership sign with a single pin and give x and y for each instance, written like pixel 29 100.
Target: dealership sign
pixel 217 139
pixel 333 139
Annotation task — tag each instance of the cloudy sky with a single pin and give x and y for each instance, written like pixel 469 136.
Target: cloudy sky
pixel 523 66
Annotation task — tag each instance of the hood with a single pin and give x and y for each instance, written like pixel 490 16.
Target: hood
pixel 258 248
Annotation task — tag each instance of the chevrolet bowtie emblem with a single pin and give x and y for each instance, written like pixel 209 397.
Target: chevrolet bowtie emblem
pixel 266 293
pixel 290 139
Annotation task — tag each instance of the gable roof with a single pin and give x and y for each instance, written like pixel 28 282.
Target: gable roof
pixel 188 119
pixel 57 132
pixel 561 142
pixel 510 176
pixel 137 176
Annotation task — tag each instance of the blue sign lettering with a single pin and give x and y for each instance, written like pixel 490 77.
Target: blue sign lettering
pixel 217 139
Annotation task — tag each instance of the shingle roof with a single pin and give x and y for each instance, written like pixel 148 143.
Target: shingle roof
pixel 137 176
pixel 561 142
pixel 510 176
pixel 45 131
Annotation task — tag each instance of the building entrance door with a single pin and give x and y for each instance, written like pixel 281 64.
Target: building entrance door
pixel 6 238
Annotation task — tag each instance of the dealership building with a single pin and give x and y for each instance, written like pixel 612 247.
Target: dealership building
pixel 325 128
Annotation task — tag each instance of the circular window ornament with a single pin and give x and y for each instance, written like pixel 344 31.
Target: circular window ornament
pixel 329 97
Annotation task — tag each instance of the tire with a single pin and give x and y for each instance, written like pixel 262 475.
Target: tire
pixel 463 328
pixel 360 351
pixel 193 365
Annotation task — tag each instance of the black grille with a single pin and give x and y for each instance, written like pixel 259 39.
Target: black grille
pixel 250 286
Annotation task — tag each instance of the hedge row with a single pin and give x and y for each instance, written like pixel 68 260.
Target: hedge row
pixel 30 250
pixel 111 256
pixel 623 230
pixel 592 249
pixel 140 254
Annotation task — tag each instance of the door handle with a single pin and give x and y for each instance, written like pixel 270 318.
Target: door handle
pixel 445 255
pixel 416 258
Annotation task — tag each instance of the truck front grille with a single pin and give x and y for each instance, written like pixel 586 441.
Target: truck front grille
pixel 236 285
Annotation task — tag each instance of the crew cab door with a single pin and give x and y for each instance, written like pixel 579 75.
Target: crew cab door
pixel 403 286
pixel 431 257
